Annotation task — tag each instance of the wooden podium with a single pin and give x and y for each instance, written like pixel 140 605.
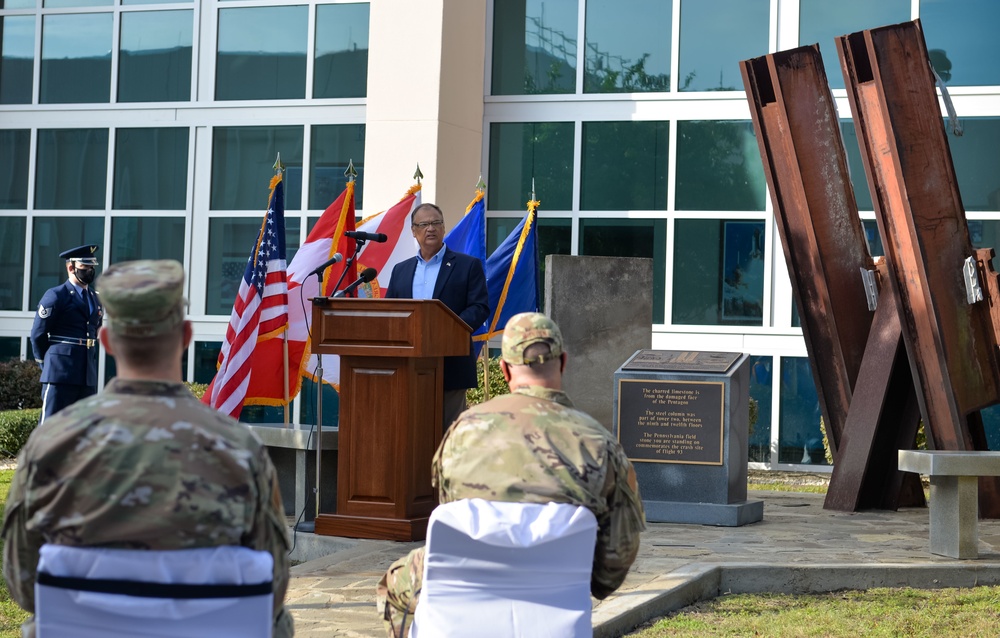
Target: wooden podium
pixel 391 358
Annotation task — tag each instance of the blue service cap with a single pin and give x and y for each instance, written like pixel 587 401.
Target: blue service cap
pixel 86 255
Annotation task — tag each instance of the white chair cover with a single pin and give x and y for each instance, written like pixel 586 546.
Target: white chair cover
pixel 71 608
pixel 507 570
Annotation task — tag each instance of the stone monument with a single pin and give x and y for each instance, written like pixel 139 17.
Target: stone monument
pixel 683 419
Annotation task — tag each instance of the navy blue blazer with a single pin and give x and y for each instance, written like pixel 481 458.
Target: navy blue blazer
pixel 63 316
pixel 461 285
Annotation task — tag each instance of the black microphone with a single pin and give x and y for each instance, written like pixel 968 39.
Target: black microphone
pixel 326 264
pixel 366 275
pixel 363 236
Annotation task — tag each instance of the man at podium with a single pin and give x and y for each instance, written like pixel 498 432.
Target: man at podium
pixel 459 281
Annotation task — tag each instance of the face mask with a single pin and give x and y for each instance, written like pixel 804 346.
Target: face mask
pixel 85 275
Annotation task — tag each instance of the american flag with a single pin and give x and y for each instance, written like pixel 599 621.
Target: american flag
pixel 260 312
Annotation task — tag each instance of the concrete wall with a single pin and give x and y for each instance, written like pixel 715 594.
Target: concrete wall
pixel 604 307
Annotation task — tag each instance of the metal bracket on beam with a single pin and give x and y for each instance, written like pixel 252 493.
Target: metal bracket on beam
pixel 869 279
pixel 973 291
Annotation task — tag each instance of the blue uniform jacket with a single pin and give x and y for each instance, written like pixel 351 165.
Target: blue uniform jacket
pixel 63 314
pixel 461 285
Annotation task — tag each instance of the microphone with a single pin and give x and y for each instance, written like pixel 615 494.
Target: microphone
pixel 326 264
pixel 363 236
pixel 366 275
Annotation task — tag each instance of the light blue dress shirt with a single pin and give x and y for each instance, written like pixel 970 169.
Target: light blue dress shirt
pixel 426 274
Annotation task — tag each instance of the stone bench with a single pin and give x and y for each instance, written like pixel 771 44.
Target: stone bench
pixel 954 502
pixel 293 453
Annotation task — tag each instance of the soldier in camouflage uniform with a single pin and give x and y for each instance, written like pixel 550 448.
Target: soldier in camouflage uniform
pixel 530 446
pixel 143 465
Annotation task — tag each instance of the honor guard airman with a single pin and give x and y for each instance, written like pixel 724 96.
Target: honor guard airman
pixel 64 334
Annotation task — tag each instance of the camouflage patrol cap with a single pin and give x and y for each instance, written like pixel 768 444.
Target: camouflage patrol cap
pixel 143 298
pixel 526 329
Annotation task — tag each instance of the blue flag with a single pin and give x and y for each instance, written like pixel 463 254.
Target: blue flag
pixel 469 234
pixel 512 277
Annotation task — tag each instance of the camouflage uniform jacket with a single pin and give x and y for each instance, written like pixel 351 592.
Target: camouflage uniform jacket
pixel 531 446
pixel 143 465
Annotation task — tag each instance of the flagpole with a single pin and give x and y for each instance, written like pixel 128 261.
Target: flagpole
pixel 481 188
pixel 279 169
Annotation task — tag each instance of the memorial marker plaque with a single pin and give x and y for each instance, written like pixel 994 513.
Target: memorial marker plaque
pixel 671 421
pixel 682 418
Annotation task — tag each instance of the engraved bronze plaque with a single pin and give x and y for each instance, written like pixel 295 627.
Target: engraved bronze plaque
pixel 671 421
pixel 682 361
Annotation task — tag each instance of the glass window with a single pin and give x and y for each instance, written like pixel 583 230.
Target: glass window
pixel 230 244
pixel 873 238
pixel 554 234
pixel 206 359
pixel 331 404
pixel 718 167
pixel 856 166
pixel 262 53
pixel 975 156
pixel 10 348
pixel 15 144
pixel 821 21
pixel 715 35
pixel 151 169
pixel 624 166
pixel 53 235
pixel 534 47
pixel 154 59
pixel 718 272
pixel 72 169
pixel 18 4
pixel 985 234
pixel 630 238
pixel 341 65
pixel 17 58
pixel 627 46
pixel 800 439
pixel 127 2
pixel 333 147
pixel 961 40
pixel 12 245
pixel 760 391
pixel 522 152
pixel 243 164
pixel 62 4
pixel 76 58
pixel 147 238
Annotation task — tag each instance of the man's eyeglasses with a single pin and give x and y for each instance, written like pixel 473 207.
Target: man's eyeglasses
pixel 423 225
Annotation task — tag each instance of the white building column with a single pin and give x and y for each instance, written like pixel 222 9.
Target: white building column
pixel 426 67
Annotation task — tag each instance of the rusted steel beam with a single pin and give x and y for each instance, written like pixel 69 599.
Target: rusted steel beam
pixel 884 418
pixel 951 343
pixel 798 133
pixel 873 414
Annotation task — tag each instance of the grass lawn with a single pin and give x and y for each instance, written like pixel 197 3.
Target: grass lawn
pixel 883 612
pixel 11 616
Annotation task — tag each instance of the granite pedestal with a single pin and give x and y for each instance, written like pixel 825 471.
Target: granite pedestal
pixel 683 419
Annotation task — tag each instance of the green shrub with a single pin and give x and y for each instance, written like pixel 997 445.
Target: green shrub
pixel 497 384
pixel 15 428
pixel 197 389
pixel 19 385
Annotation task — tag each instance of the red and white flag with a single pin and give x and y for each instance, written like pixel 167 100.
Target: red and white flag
pixel 251 363
pixel 327 238
pixel 382 256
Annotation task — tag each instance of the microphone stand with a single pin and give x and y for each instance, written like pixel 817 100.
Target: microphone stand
pixel 358 245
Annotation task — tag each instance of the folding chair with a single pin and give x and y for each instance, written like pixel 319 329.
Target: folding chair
pixel 213 592
pixel 507 569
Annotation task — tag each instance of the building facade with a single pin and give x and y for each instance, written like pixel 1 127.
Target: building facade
pixel 151 128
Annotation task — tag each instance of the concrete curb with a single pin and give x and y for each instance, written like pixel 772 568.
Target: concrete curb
pixel 680 588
